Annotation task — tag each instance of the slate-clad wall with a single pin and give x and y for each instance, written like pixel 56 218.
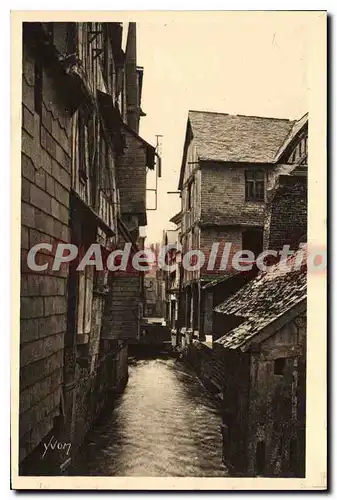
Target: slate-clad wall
pixel 131 174
pixel 123 309
pixel 45 189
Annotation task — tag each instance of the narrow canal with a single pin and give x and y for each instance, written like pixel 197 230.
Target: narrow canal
pixel 164 424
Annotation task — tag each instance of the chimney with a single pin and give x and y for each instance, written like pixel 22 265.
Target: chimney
pixel 131 77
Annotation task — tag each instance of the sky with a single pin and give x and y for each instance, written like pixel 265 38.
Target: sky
pixel 239 63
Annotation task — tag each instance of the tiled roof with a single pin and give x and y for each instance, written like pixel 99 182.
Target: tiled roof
pixel 261 301
pixel 297 126
pixel 220 279
pixel 237 138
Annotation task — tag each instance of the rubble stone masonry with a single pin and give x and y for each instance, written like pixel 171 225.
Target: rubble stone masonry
pixel 223 195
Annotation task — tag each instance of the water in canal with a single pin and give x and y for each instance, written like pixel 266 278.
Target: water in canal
pixel 164 424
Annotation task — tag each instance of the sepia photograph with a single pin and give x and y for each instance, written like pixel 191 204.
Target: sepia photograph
pixel 170 276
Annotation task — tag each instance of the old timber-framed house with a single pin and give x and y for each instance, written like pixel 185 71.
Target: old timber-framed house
pixel 83 181
pixel 229 163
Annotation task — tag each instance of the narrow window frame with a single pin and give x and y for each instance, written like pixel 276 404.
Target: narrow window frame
pixel 279 366
pixel 190 195
pixel 254 186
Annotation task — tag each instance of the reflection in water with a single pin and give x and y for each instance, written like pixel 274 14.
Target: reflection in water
pixel 164 424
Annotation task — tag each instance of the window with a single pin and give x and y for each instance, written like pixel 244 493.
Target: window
pixel 255 186
pixel 173 313
pixel 279 365
pixel 104 163
pixel 190 195
pixel 84 305
pixel 83 146
pixel 105 60
pixel 80 286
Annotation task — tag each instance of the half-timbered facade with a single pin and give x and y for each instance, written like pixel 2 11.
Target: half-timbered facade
pixel 83 182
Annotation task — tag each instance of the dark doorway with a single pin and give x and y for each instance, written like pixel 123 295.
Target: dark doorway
pixel 293 457
pixel 252 240
pixel 195 298
pixel 188 306
pixel 173 314
pixel 260 457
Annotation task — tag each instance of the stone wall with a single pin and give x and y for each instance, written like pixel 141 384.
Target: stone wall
pixel 286 220
pixel 223 195
pixel 230 374
pixel 263 405
pixel 210 235
pixel 199 357
pixel 86 371
pixel 277 402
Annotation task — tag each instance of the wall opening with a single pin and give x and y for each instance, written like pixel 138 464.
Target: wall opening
pixel 293 456
pixel 252 240
pixel 279 366
pixel 260 457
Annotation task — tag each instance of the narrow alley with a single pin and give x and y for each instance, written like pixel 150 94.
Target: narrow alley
pixel 164 424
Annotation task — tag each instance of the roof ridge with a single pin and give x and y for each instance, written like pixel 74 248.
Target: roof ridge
pixel 267 118
pixel 241 115
pixel 208 112
pixel 305 114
